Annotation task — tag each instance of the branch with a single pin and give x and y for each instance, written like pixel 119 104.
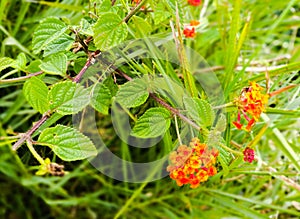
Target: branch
pixel 153 96
pixel 134 11
pixel 45 117
pixel 12 80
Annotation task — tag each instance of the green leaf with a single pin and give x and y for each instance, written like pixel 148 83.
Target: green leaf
pixel 55 64
pixel 199 110
pixel 34 66
pixel 68 97
pixel 221 123
pixel 105 6
pixel 109 31
pixel 49 30
pixel 101 98
pixel 153 123
pixel 20 62
pixel 61 44
pixel 6 62
pixel 160 13
pixel 35 92
pixel 141 26
pixel 67 143
pixel 133 93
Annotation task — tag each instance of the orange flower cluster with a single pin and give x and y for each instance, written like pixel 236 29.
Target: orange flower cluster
pixel 189 30
pixel 251 102
pixel 192 165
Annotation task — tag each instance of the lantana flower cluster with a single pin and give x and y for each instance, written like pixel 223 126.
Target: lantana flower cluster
pixel 189 29
pixel 192 164
pixel 251 103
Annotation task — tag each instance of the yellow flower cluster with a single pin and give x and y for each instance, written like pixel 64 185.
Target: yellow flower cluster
pixel 192 165
pixel 251 103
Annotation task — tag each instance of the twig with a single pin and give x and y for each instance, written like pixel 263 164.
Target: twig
pixel 12 80
pixel 89 62
pixel 153 96
pixel 28 134
pixel 174 111
pixel 134 11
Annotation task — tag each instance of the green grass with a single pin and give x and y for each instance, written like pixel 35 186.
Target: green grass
pixel 239 34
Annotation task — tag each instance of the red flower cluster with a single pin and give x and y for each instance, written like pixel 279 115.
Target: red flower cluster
pixel 189 30
pixel 192 165
pixel 251 102
pixel 194 2
pixel 248 155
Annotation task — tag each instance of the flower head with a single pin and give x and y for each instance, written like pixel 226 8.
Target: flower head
pixel 251 103
pixel 194 23
pixel 248 155
pixel 194 2
pixel 189 32
pixel 192 165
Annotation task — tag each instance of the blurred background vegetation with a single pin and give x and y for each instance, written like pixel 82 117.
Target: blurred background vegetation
pixel 267 188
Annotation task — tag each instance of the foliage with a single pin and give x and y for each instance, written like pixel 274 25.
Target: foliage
pixel 148 76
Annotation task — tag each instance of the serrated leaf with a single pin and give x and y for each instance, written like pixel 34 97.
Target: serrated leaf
pixel 6 62
pixel 86 27
pixel 55 64
pixel 153 123
pixel 109 31
pixel 141 25
pixel 101 98
pixel 49 30
pixel 221 123
pixel 67 143
pixel 68 98
pixel 20 62
pixel 61 44
pixel 160 13
pixel 35 92
pixel 133 93
pixel 105 6
pixel 34 66
pixel 199 110
pixel 224 158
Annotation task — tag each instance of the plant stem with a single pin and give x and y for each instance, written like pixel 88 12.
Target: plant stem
pixel 174 111
pixel 224 105
pixel 177 130
pixel 89 62
pixel 28 134
pixel 231 150
pixel 134 11
pixel 13 80
pixel 34 153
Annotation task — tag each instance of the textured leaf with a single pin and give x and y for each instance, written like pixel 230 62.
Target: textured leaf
pixel 221 124
pixel 133 93
pixel 35 92
pixel 101 98
pixel 6 62
pixel 67 143
pixel 160 13
pixel 109 31
pixel 20 62
pixel 199 110
pixel 153 123
pixel 61 44
pixel 141 25
pixel 55 64
pixel 34 66
pixel 68 98
pixel 49 30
